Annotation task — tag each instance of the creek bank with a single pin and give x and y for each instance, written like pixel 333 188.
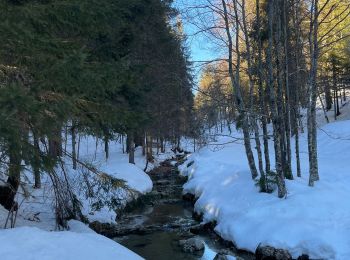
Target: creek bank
pixel 261 252
pixel 168 214
pixel 153 224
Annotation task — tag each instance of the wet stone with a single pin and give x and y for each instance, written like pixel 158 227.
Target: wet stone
pixel 220 256
pixel 225 254
pixel 192 245
pixel 188 197
pixel 270 253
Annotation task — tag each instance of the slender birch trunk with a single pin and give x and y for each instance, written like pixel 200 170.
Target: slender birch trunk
pixel 237 89
pixel 253 119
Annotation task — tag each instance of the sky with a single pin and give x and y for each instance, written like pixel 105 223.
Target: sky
pixel 200 47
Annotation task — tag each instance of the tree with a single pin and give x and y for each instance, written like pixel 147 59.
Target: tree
pixel 98 76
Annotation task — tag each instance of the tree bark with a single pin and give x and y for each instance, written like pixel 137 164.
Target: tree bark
pixel 261 92
pixel 237 89
pixel 106 144
pixel 131 148
pixel 287 93
pixel 74 143
pixel 149 152
pixel 8 192
pixel 296 107
pixel 275 116
pixel 251 91
pixel 328 95
pixel 311 120
pixel 36 163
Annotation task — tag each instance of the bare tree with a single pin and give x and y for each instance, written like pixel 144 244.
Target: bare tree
pixel 312 93
pixel 235 80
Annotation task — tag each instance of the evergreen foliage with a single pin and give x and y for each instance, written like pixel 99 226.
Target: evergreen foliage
pixel 100 67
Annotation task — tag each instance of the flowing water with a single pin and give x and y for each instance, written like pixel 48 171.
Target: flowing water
pixel 154 227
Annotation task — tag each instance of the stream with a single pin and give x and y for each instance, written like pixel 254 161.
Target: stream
pixel 154 226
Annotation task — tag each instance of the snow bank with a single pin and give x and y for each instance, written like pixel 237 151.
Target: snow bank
pixel 79 227
pixel 37 208
pixel 313 221
pixel 33 244
pixel 117 164
pixel 36 217
pixel 135 178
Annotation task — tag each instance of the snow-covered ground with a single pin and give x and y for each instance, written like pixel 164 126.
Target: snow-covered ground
pixel 313 221
pixel 36 205
pixel 34 236
pixel 344 111
pixel 32 243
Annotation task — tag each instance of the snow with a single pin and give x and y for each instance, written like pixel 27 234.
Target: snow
pixel 79 227
pixel 344 110
pixel 33 244
pixel 36 205
pixel 33 237
pixel 210 254
pixel 313 221
pixel 135 177
pixel 117 164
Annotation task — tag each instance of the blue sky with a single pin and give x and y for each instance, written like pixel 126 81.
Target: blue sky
pixel 200 47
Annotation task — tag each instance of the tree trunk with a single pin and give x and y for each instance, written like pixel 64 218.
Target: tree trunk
pixel 311 120
pixel 55 144
pixel 149 150
pixel 287 93
pixel 96 147
pixel 127 143
pixel 281 105
pixel 251 92
pixel 261 92
pixel 258 149
pixel 296 107
pixel 36 163
pixel 237 89
pixel 297 153
pixel 275 117
pixel 131 148
pixel 162 145
pixel 158 145
pixel 74 143
pixel 122 141
pixel 78 152
pixel 8 192
pixel 323 108
pixel 336 98
pixel 328 95
pixel 106 142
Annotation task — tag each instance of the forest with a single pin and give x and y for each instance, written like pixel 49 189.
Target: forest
pixel 88 67
pixel 117 130
pixel 275 62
